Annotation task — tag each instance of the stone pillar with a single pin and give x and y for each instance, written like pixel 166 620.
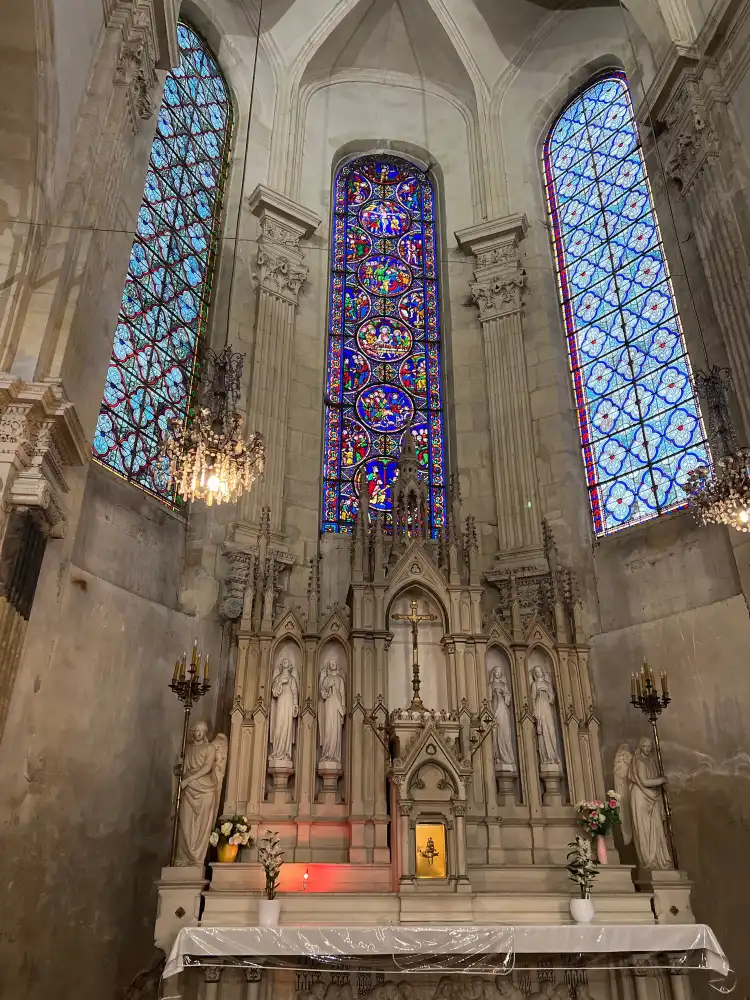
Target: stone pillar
pixel 39 437
pixel 252 981
pixel 498 291
pixel 704 158
pixel 211 979
pixel 281 273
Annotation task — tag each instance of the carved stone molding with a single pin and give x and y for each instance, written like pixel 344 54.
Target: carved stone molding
pixel 240 566
pixel 501 296
pixel 695 144
pixel 39 437
pixel 137 59
pixel 281 270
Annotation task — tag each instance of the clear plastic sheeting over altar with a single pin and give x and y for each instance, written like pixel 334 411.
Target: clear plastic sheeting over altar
pixel 476 950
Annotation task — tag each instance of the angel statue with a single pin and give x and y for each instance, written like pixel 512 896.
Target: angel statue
pixel 202 778
pixel 284 709
pixel 639 784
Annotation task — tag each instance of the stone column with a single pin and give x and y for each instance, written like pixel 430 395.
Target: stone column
pixel 498 291
pixel 704 158
pixel 281 273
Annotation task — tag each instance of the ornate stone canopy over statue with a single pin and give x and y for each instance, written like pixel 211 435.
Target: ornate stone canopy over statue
pixel 202 778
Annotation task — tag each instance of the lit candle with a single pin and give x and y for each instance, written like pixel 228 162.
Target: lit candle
pixel 176 673
pixel 638 686
pixel 632 686
pixel 183 665
pixel 664 684
pixel 205 668
pixel 195 654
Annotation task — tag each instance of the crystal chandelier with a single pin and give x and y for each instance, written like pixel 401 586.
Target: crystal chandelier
pixel 208 457
pixel 720 495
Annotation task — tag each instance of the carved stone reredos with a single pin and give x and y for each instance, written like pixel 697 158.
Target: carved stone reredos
pixel 423 736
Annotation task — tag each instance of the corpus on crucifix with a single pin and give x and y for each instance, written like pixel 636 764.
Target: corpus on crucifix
pixel 414 619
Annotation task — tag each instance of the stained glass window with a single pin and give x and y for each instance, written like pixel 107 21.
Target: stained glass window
pixel 168 286
pixel 384 365
pixel 641 430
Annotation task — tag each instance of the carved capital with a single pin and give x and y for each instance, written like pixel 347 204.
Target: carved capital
pixel 135 70
pixel 212 974
pixel 691 139
pixel 404 808
pixel 459 808
pixel 499 277
pixel 500 296
pixel 283 224
pixel 39 437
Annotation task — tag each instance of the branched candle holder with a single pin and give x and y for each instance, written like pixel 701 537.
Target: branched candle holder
pixel 189 687
pixel 644 695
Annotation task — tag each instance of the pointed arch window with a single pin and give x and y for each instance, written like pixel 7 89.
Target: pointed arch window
pixel 168 286
pixel 640 425
pixel 384 364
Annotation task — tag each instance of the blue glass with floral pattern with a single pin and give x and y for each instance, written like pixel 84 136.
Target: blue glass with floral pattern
pixel 168 286
pixel 640 425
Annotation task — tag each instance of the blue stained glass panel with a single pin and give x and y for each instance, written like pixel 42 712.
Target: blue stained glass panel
pixel 641 429
pixel 168 287
pixel 384 375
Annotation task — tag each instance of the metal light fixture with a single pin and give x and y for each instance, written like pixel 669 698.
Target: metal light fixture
pixel 208 457
pixel 720 495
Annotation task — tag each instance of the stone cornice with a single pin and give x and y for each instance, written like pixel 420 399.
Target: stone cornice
pixel 272 206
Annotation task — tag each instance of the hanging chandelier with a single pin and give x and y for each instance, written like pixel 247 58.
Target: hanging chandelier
pixel 209 459
pixel 720 495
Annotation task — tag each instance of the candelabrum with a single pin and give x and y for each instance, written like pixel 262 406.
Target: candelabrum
pixel 644 695
pixel 189 687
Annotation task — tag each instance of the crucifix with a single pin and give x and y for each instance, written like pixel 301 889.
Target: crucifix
pixel 414 619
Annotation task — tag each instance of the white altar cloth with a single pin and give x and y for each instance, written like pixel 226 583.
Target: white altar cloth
pixel 351 943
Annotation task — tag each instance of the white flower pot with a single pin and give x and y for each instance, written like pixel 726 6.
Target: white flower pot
pixel 269 910
pixel 582 910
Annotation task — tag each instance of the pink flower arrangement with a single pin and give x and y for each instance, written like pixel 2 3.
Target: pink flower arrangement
pixel 598 816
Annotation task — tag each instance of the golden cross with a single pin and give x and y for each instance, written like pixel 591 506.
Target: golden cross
pixel 414 619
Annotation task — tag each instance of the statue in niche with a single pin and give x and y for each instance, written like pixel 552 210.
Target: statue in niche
pixel 331 710
pixel 543 702
pixel 202 778
pixel 501 696
pixel 284 709
pixel 507 990
pixel 638 783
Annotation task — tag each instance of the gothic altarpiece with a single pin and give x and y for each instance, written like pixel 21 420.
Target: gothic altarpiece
pixel 419 756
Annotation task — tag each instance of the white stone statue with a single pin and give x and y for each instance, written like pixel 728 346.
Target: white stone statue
pixel 284 709
pixel 543 702
pixel 203 775
pixel 331 710
pixel 501 696
pixel 507 990
pixel 638 783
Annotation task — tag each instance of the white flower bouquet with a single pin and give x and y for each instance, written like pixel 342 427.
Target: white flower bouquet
pixel 271 857
pixel 233 830
pixel 581 865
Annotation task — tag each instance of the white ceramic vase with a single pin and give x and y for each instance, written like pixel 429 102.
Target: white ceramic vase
pixel 582 910
pixel 269 910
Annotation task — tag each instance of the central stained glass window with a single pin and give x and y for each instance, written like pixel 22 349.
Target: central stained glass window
pixel 384 359
pixel 641 429
pixel 168 287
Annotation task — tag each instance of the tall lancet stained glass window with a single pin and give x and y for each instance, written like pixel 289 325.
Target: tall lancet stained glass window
pixel 384 354
pixel 641 430
pixel 168 286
